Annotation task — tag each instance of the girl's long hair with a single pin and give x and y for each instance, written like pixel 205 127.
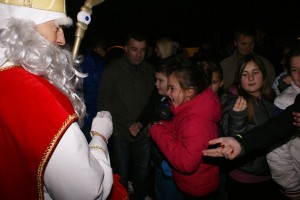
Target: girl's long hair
pixel 266 90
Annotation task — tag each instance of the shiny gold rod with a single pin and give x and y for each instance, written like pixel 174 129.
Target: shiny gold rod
pixel 83 20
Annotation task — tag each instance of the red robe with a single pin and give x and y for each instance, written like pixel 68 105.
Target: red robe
pixel 33 117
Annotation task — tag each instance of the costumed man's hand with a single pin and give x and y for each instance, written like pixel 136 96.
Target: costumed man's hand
pixel 228 147
pixel 102 125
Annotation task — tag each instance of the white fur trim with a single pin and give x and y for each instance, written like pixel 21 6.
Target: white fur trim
pixel 67 21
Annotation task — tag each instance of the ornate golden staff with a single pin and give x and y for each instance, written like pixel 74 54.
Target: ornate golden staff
pixel 83 20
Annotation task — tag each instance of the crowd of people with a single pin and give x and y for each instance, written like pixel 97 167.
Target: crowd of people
pixel 153 137
pixel 171 126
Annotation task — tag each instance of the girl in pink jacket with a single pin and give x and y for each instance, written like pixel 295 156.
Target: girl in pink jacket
pixel 196 110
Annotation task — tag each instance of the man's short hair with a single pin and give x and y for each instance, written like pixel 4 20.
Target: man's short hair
pixel 246 31
pixel 137 36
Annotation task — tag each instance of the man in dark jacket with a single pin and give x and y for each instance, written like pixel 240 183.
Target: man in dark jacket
pixel 125 88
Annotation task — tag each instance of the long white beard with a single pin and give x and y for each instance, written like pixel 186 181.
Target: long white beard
pixel 21 44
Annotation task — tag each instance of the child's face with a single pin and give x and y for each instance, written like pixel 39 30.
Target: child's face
pixel 161 83
pixel 175 92
pixel 295 70
pixel 216 82
pixel 252 79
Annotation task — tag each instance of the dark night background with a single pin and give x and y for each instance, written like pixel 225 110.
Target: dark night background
pixel 190 22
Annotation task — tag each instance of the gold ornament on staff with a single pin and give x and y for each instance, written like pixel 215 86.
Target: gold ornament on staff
pixel 83 20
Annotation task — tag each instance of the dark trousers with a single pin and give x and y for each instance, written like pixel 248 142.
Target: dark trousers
pixel 136 155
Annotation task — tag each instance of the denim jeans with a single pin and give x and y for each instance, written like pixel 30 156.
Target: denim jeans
pixel 136 155
pixel 165 187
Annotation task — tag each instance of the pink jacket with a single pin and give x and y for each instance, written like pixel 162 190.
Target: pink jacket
pixel 183 139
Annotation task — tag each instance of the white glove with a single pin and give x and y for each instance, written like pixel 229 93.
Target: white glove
pixel 102 124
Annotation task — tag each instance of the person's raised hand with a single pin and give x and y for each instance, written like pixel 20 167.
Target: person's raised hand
pixel 102 125
pixel 240 104
pixel 227 147
pixel 288 80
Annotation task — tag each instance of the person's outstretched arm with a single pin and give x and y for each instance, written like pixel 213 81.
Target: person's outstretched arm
pixel 261 137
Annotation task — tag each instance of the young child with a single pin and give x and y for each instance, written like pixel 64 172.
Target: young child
pixel 214 75
pixel 250 176
pixel 158 101
pixel 284 161
pixel 196 110
pixel 217 82
pixel 158 108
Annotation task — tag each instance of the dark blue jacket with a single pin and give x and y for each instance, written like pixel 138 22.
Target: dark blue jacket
pixel 93 65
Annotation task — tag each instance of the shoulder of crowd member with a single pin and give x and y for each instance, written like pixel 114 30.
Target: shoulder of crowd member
pixel 228 60
pixel 115 63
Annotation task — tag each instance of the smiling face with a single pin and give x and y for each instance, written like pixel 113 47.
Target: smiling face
pixel 252 79
pixel 161 83
pixel 52 33
pixel 295 70
pixel 244 44
pixel 176 93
